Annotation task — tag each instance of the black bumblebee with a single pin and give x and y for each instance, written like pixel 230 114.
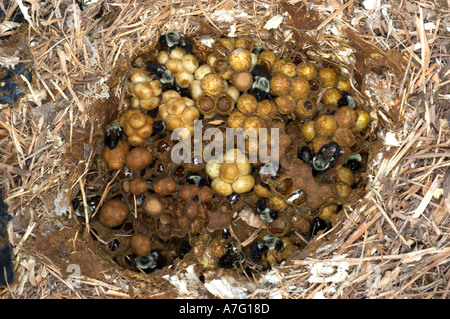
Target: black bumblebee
pixel 163 74
pixel 184 249
pixel 265 213
pixel 112 136
pixel 231 258
pixel 267 249
pixel 354 163
pixel 234 198
pixel 173 39
pixel 261 83
pixel 269 242
pixel 154 260
pixel 305 154
pixel 319 224
pixel 257 50
pixel 327 155
pixel 346 100
pixel 167 79
pixel 78 205
pixel 198 180
pixel 159 127
pixel 226 233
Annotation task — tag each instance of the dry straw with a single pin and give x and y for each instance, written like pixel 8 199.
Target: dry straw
pixel 393 243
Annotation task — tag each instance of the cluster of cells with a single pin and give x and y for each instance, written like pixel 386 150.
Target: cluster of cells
pixel 159 212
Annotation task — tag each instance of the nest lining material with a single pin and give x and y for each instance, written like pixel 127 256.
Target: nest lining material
pixel 400 224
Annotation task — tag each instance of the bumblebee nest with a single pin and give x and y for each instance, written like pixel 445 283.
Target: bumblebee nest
pixel 336 210
pixel 191 212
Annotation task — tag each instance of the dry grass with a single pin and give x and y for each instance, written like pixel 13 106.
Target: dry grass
pixel 394 242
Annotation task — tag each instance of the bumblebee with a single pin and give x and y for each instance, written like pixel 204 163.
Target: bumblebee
pixel 175 39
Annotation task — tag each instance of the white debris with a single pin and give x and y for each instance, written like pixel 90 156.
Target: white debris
pixel 271 277
pixel 287 35
pixel 417 46
pixel 248 216
pixel 295 195
pixel 319 295
pixel 84 3
pixel 232 32
pixel 329 271
pixel 208 41
pixel 57 142
pixel 222 15
pixel 226 288
pixel 345 54
pixel 9 62
pixel 274 22
pixel 179 283
pixel 99 88
pixel 8 25
pixel 438 193
pixel 23 9
pixel 73 16
pixel 184 281
pixel 332 29
pixel 371 4
pixel 390 139
pixel 429 26
pixel 276 295
pixel 61 202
